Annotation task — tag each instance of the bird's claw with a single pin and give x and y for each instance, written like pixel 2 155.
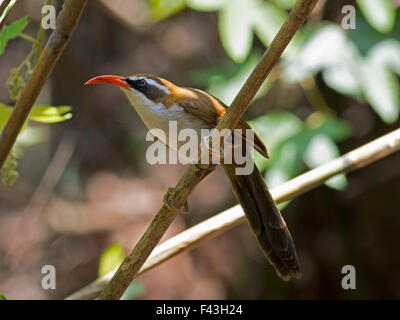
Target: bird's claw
pixel 209 167
pixel 171 207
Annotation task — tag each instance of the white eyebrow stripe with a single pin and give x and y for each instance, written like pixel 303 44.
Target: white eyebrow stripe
pixel 158 85
pixel 153 83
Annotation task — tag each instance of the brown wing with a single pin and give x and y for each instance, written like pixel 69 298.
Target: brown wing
pixel 258 144
pixel 204 107
pixel 211 110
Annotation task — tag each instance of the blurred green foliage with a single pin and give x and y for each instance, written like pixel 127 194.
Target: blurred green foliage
pixel 366 74
pixel 381 14
pixel 225 81
pixel 134 290
pixel 39 113
pixel 161 9
pixel 11 31
pixel 369 77
pixel 290 141
pixel 50 114
pixel 239 21
pixel 110 259
pixel 29 135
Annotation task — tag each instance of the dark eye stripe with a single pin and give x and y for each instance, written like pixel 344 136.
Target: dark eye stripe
pixel 130 81
pixel 137 83
pixel 150 91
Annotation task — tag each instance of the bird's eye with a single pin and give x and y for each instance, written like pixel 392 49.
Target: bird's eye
pixel 142 82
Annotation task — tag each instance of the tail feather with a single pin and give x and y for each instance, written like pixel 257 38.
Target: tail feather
pixel 266 221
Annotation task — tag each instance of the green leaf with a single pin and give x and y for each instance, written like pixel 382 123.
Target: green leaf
pixel 381 91
pixel 275 129
pixel 2 297
pixel 289 141
pixel 334 128
pixel 206 5
pixel 381 14
pixel 285 4
pixel 365 36
pixel 39 113
pixel 5 112
pixel 50 114
pixel 267 20
pixel 110 259
pixel 284 169
pixel 12 31
pixel 343 74
pixel 235 28
pixel 162 9
pixel 314 57
pixel 387 54
pixel 380 85
pixel 346 71
pixel 225 82
pixel 134 290
pixel 320 150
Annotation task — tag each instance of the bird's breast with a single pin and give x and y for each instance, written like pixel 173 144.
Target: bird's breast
pixel 156 116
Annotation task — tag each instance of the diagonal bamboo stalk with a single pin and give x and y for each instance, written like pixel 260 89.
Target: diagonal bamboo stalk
pixel 193 175
pixel 3 6
pixel 67 20
pixel 192 237
pixel 5 10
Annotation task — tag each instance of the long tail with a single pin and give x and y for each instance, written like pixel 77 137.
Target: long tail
pixel 266 221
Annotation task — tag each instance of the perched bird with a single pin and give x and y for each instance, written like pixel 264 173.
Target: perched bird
pixel 158 101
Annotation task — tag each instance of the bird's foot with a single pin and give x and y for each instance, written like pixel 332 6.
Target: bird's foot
pixel 205 167
pixel 166 201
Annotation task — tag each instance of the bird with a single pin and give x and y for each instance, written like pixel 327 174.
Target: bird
pixel 158 101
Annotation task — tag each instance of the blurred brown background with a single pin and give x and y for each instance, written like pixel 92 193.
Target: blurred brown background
pixel 107 192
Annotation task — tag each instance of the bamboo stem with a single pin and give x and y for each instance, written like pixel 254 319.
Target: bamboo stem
pixel 4 12
pixel 3 6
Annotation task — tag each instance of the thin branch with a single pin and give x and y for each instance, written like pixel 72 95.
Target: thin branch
pixel 40 36
pixel 226 220
pixel 29 38
pixel 5 10
pixel 315 97
pixel 193 175
pixel 66 23
pixel 3 7
pixel 53 173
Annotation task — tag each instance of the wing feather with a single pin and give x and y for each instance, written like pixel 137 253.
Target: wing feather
pixel 208 108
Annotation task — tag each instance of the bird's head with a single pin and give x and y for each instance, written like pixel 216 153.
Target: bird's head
pixel 140 88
